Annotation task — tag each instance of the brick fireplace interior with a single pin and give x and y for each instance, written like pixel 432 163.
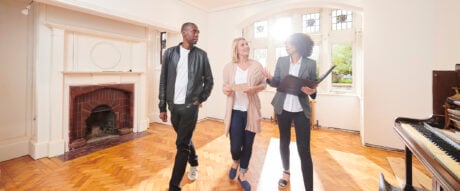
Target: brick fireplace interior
pixel 98 111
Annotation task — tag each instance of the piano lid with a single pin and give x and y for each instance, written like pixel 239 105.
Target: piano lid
pixel 443 81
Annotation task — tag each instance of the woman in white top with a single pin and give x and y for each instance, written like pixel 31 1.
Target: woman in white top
pixel 243 79
pixel 295 108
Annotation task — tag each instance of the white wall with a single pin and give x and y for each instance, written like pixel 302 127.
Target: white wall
pixel 15 80
pixel 447 39
pixel 426 39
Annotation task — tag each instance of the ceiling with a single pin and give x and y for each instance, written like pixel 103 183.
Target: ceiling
pixel 217 5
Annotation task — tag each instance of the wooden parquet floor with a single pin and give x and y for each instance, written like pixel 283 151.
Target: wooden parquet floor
pixel 340 163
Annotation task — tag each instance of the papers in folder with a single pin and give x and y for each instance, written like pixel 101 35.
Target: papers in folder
pixel 291 84
pixel 240 87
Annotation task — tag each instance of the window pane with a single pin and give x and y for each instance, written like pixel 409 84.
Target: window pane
pixel 341 19
pixel 315 53
pixel 342 75
pixel 310 22
pixel 315 56
pixel 280 51
pixel 260 29
pixel 282 28
pixel 261 56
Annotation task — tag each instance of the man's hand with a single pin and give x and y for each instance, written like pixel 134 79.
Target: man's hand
pixel 164 116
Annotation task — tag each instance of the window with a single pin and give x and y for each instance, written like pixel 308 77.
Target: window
pixel 163 36
pixel 335 32
pixel 342 76
pixel 310 23
pixel 282 28
pixel 260 29
pixel 280 51
pixel 261 56
pixel 315 56
pixel 341 19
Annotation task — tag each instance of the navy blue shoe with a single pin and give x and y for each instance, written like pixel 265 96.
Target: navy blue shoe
pixel 245 184
pixel 232 173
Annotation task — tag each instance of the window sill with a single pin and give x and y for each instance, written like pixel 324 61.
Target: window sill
pixel 332 93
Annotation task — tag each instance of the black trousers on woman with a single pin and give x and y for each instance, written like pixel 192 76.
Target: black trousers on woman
pixel 302 130
pixel 183 119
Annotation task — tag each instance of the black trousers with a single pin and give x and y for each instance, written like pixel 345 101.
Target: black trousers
pixel 183 119
pixel 302 130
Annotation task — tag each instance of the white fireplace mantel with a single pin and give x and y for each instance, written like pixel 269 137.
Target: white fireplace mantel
pixel 73 52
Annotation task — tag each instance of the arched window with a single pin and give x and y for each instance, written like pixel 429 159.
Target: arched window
pixel 337 37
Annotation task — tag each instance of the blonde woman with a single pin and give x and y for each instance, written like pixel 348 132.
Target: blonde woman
pixel 243 79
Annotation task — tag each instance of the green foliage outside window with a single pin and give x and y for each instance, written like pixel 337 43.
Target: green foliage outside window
pixel 342 59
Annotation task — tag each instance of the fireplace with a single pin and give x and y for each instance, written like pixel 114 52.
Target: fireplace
pixel 98 111
pixel 92 81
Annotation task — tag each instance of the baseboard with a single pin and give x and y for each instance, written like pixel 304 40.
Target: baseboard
pixel 339 129
pixel 38 150
pixel 13 150
pixel 212 118
pixel 383 147
pixel 56 148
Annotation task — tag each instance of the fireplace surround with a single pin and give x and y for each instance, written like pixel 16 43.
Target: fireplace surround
pixel 82 57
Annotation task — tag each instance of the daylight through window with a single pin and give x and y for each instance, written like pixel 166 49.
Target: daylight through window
pixel 335 32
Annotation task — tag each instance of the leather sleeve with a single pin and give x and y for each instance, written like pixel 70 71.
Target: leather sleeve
pixel 208 80
pixel 163 81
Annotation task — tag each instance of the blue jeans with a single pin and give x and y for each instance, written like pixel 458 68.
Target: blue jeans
pixel 302 131
pixel 183 119
pixel 241 141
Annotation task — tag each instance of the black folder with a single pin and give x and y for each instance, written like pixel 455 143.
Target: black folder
pixel 291 84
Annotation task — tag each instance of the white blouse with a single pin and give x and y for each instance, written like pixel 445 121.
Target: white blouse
pixel 241 99
pixel 292 103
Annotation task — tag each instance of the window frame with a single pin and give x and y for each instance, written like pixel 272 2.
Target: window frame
pixel 324 39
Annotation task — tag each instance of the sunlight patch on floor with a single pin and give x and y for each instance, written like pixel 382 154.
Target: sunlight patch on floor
pixel 216 170
pixel 419 179
pixel 272 169
pixel 359 167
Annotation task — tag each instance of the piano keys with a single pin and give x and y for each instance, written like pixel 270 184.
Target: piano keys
pixel 436 152
pixel 433 141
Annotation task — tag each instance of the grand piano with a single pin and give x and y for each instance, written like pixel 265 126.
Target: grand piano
pixel 435 144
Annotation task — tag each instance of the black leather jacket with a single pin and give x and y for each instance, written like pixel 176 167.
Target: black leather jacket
pixel 200 80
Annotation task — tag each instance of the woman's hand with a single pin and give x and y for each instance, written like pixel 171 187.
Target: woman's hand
pixel 251 91
pixel 227 90
pixel 308 90
pixel 267 74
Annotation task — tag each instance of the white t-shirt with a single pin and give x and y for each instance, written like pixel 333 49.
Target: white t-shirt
pixel 241 99
pixel 180 88
pixel 292 103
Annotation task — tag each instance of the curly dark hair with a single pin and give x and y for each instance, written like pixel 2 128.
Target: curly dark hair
pixel 302 43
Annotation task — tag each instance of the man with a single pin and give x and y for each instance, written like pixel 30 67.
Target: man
pixel 185 82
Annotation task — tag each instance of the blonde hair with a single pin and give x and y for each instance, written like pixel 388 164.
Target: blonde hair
pixel 235 58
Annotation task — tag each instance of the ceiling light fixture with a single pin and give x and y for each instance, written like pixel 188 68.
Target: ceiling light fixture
pixel 25 11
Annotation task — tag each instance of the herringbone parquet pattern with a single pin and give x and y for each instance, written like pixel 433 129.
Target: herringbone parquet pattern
pixel 146 163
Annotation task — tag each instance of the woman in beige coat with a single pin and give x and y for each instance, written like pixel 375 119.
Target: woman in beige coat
pixel 243 79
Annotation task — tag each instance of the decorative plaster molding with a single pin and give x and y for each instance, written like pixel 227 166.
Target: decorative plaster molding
pixel 105 62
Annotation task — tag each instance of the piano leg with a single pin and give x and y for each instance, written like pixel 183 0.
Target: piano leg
pixel 408 186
